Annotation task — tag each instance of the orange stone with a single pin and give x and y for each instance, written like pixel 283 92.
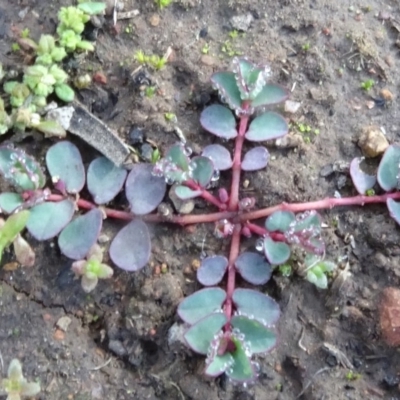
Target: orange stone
pixel 389 316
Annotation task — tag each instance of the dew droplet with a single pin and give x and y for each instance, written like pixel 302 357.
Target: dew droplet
pixel 260 244
pixel 215 176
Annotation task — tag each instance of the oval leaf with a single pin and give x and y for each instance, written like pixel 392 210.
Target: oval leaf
pixel 361 180
pixel 226 84
pixel 253 268
pixel 219 364
pixel 104 180
pixel 200 304
pixel 270 94
pixel 255 159
pixel 219 120
pixel 64 163
pixel 260 338
pixel 92 8
pixel 143 189
pixel 200 335
pixel 47 219
pixel 219 155
pixel 185 193
pixel 279 221
pixel 130 249
pixel 212 270
pixel 9 202
pixel 178 156
pixel 81 234
pixel 394 209
pixel 267 126
pixel 203 170
pixel 256 305
pixel 388 170
pixel 276 252
pixel 242 369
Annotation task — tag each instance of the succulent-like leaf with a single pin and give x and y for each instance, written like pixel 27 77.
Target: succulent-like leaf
pixel 219 121
pixel 394 209
pixel 255 159
pixel 253 268
pixel 130 249
pixel 104 180
pixel 64 163
pixel 389 169
pixel 185 193
pixel 143 189
pixel 200 335
pixel 269 95
pixel 267 126
pixel 226 84
pixel 260 338
pixel 9 202
pixel 51 128
pixel 48 219
pixel 219 155
pixel 212 270
pixel 242 369
pixel 200 304
pixel 92 7
pixel 203 170
pixel 219 364
pixel 279 221
pixel 81 234
pixel 177 155
pixel 256 305
pixel 276 252
pixel 361 180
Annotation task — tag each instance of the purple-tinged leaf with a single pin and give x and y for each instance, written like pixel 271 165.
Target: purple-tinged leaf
pixel 212 270
pixel 225 83
pixel 64 163
pixel 104 180
pixel 279 221
pixel 269 95
pixel 389 169
pixel 253 268
pixel 242 369
pixel 394 209
pixel 200 335
pixel 276 252
pixel 203 170
pixel 48 219
pixel 219 121
pixel 256 305
pixel 267 126
pixel 77 238
pixel 260 338
pixel 143 189
pixel 130 249
pixel 200 304
pixel 219 155
pixel 177 155
pixel 185 193
pixel 255 159
pixel 9 202
pixel 361 180
pixel 219 364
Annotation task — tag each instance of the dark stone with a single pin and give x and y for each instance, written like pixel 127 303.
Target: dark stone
pixel 135 136
pixel 203 32
pixel 117 348
pixel 146 151
pixel 391 380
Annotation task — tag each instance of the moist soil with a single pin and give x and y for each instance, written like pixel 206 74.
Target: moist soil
pixel 122 340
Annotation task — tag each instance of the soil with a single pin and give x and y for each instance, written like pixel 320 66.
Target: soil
pixel 122 341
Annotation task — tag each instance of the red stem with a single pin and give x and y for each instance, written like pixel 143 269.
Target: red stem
pixel 259 230
pixel 206 195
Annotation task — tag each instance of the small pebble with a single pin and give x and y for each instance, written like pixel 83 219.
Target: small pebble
pixel 389 316
pixel 146 151
pixel 203 32
pixel 208 60
pixel 373 142
pixel 242 22
pixel 387 94
pixel 63 323
pixel 154 20
pixel 59 335
pixel 196 264
pixel 135 136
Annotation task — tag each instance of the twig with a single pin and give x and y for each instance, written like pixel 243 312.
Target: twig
pixel 101 366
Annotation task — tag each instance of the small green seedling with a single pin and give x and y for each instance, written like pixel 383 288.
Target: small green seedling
pixel 162 3
pixel 170 117
pixel 153 61
pixel 155 156
pixel 352 376
pixel 306 46
pixel 205 49
pixel 367 85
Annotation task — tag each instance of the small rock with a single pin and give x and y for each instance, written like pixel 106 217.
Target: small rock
pixel 242 22
pixel 326 170
pixel 292 106
pixel 373 142
pixel 154 20
pixel 290 141
pixel 117 348
pixel 386 94
pixel 59 335
pixel 135 136
pixel 63 323
pixel 146 151
pixel 203 32
pixel 181 206
pixel 389 316
pixel 208 60
pixel 341 182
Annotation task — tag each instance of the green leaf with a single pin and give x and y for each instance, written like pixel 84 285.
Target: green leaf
pixel 317 277
pixel 225 82
pixel 64 92
pixel 47 219
pixel 260 338
pixel 256 305
pixel 267 126
pixel 219 121
pixel 203 169
pixel 253 268
pixel 200 335
pixel 51 128
pixel 276 252
pixel 176 154
pixel 389 170
pixel 393 207
pixel 279 221
pixel 14 225
pixel 242 369
pixel 10 201
pixel 219 364
pixel 269 95
pixel 92 8
pixel 200 304
pixel 185 193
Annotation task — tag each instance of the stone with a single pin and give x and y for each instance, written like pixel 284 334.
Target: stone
pixel 63 323
pixel 389 316
pixel 373 142
pixel 242 22
pixel 207 60
pixel 154 20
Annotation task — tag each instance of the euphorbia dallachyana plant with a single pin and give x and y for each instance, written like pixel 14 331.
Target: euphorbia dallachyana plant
pixel 228 324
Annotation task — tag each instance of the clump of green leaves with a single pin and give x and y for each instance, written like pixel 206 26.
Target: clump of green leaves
pixel 15 385
pixel 162 3
pixel 367 85
pixel 151 60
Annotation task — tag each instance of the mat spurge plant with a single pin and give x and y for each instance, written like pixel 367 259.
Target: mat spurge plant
pixel 228 324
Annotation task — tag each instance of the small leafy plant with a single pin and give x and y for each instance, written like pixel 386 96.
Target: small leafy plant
pixel 367 85
pixel 153 60
pixel 162 3
pixel 230 325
